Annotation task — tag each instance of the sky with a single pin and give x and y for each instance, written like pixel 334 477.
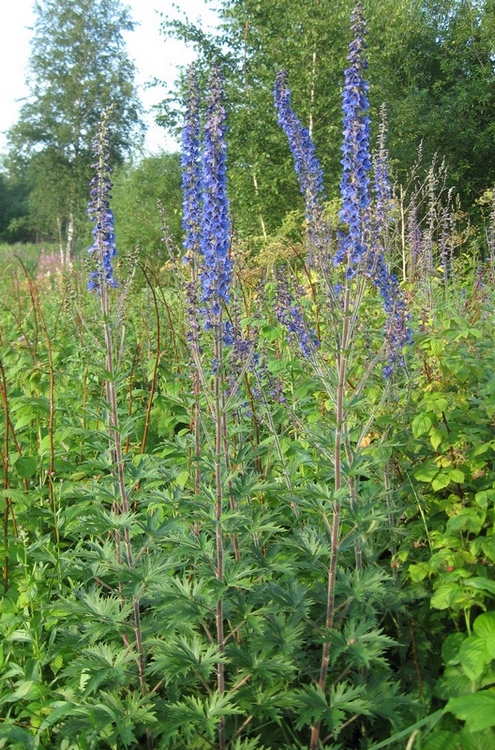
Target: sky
pixel 153 55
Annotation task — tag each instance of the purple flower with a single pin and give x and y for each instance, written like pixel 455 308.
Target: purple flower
pixel 356 160
pixel 191 170
pixel 215 224
pixel 397 331
pixel 103 248
pixel 307 166
pixel 290 315
pixel 382 187
pixel 491 233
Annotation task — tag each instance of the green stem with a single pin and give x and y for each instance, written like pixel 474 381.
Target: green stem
pixel 219 433
pixel 340 419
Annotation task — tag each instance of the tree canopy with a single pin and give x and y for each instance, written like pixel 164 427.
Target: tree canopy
pixel 78 68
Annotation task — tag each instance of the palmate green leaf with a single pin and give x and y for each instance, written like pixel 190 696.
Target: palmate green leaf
pixel 185 658
pixel 201 714
pixel 371 588
pixel 264 665
pixel 110 717
pixel 102 609
pixel 182 602
pixel 360 644
pixel 312 705
pixel 284 634
pixel 249 743
pixel 293 596
pixel 99 664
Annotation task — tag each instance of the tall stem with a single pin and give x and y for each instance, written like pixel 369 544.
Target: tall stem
pixel 340 419
pixel 219 432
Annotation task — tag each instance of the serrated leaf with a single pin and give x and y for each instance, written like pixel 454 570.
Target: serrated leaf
pixel 60 711
pixel 418 571
pixel 271 332
pixel 440 482
pixel 481 583
pixel 444 596
pixel 450 648
pixel 456 475
pixel 20 692
pixel 425 473
pixel 16 735
pixel 24 420
pixel 26 466
pixel 484 627
pixel 473 657
pixel 442 740
pixel 437 347
pixel 421 425
pixel 182 478
pixel 56 663
pixel 436 437
pixel 476 709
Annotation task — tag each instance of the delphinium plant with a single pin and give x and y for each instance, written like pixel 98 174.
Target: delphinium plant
pixel 346 361
pixel 215 279
pixel 214 603
pixel 271 641
pixel 99 520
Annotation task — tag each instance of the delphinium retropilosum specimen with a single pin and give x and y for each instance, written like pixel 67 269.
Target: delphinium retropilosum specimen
pixel 103 249
pixel 207 238
pixel 306 165
pixel 101 280
pixel 358 259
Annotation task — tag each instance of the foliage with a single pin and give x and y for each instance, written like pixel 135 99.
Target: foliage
pixel 138 190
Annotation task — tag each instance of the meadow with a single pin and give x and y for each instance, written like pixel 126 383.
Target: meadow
pixel 248 498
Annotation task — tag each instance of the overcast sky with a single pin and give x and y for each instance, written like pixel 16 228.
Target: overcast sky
pixel 153 55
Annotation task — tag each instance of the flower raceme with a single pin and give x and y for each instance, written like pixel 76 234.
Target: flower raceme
pixel 360 247
pixel 191 170
pixel 306 164
pixel 290 315
pixel 215 224
pixel 103 248
pixel 356 160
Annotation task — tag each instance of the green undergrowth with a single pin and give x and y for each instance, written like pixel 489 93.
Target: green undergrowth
pixel 413 639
